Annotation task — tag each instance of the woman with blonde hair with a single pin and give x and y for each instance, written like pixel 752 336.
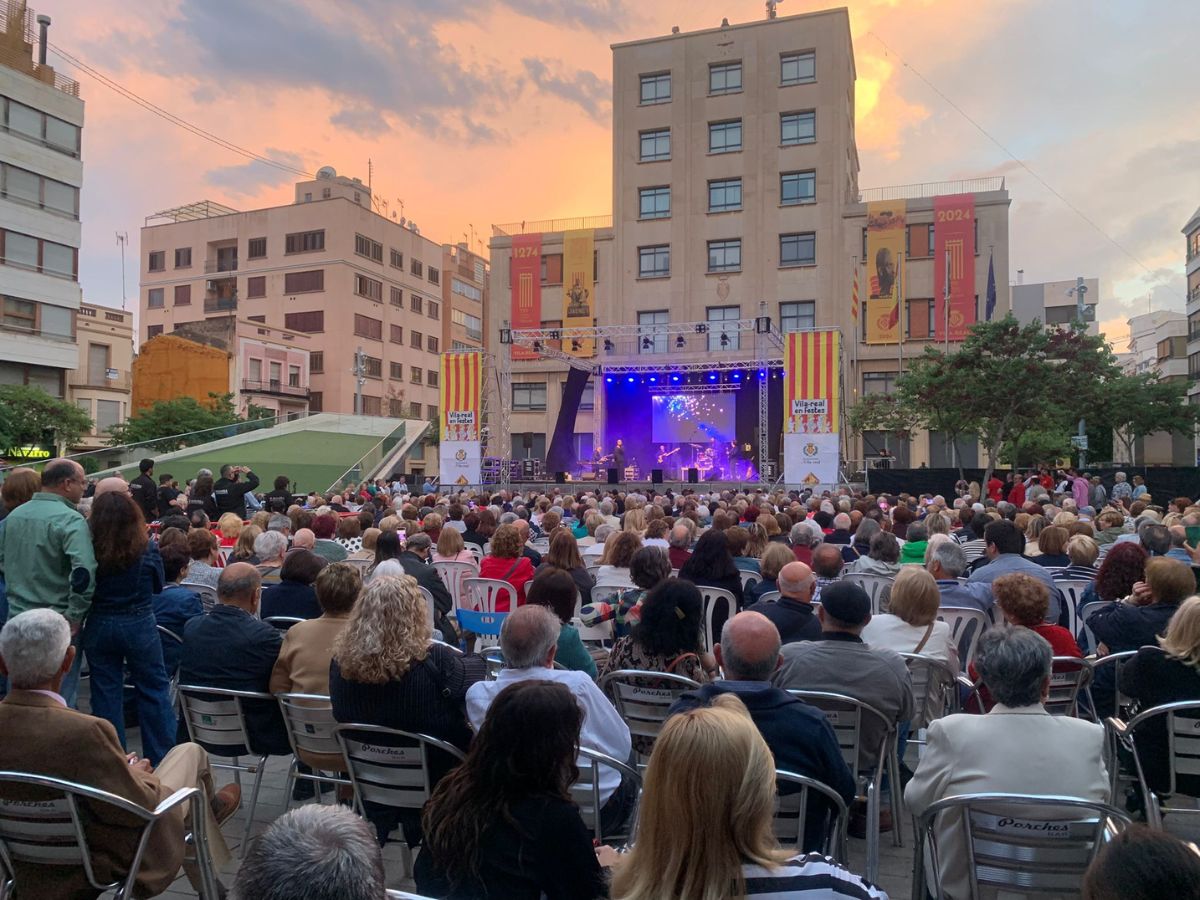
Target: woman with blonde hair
pixel 230 527
pixel 758 540
pixel 386 670
pixel 635 521
pixel 717 843
pixel 911 625
pixel 370 538
pixel 451 548
pixel 243 550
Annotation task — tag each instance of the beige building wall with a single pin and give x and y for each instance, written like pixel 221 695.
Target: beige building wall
pixel 466 294
pixel 101 382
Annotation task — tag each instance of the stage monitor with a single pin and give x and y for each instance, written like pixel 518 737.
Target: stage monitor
pixel 693 418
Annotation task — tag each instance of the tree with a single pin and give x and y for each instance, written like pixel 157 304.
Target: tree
pixel 176 421
pixel 882 412
pixel 1135 406
pixel 30 416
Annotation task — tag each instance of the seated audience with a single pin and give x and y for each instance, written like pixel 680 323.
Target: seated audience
pixel 43 736
pixel 1123 567
pixel 324 528
pixel 911 625
pixel 386 670
pixel 1082 551
pixel 451 548
pixel 1003 548
pixel 229 528
pixel 243 550
pixel 1140 863
pixel 269 548
pixel 505 563
pixel 773 559
pixel 803 540
pixel 564 555
pixel 947 562
pixel 827 566
pixel 1052 547
pixel 205 551
pixel 369 538
pixel 883 558
pixel 916 539
pixel 798 735
pixel 616 559
pixel 174 605
pixel 503 823
pixel 415 561
pixel 680 542
pixel 1016 748
pixel 349 534
pixel 529 641
pixel 711 565
pixel 555 589
pixel 294 596
pixel 649 567
pixel 1024 602
pixel 593 553
pixel 793 614
pixel 729 849
pixel 738 540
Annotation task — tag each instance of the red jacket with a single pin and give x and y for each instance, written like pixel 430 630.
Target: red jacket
pixel 995 489
pixel 1017 495
pixel 518 573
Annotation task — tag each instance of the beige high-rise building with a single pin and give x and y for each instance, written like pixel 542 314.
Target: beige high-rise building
pixel 735 195
pixel 101 382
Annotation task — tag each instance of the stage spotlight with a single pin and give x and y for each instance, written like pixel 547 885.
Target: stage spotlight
pixel 724 340
pixel 631 379
pixel 762 374
pixel 737 376
pixel 712 376
pixel 608 346
pixel 608 379
pixel 680 342
pixel 675 379
pixel 654 379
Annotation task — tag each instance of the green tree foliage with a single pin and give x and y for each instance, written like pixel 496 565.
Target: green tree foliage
pixel 1135 406
pixel 30 416
pixel 173 424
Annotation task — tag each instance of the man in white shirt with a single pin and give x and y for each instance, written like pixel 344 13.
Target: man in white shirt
pixel 529 641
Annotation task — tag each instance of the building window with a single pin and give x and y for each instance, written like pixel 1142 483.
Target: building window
pixel 797 187
pixel 797 128
pixel 725 137
pixel 431 378
pixel 304 242
pixel 365 326
pixel 45 129
pixel 466 290
pixel 396 258
pixel 364 246
pixel 919 241
pixel 656 88
pixel 416 340
pixel 879 383
pixel 797 68
pixel 31 189
pixel 798 249
pixel 414 374
pixel 431 344
pixel 157 261
pixel 725 78
pixel 433 310
pixel 155 298
pixel 304 282
pixel 414 409
pixel 652 337
pixel 551 268
pixel 397 297
pixel 20 315
pixel 368 287
pixel 415 303
pixel 316 401
pixel 797 315
pixel 262 319
pixel 721 334
pixel 725 195
pixel 256 248
pixel 416 267
pixel 654 261
pixel 316 362
pixel 654 203
pixel 373 367
pixel 256 286
pixel 183 258
pixel 725 256
pixel 371 405
pixel 434 275
pixel 311 322
pixel 529 396
pixel 472 324
pixel 920 324
pixel 293 376
pixel 396 370
pixel 396 334
pixel 153 331
pixel 183 295
pixel 656 145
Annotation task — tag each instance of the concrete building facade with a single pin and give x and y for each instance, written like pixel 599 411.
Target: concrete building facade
pixel 1158 345
pixel 102 381
pixel 41 173
pixel 1053 302
pixel 1191 235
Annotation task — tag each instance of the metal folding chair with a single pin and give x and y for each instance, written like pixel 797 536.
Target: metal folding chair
pixel 713 598
pixel 1026 844
pixel 393 772
pixel 1069 676
pixel 283 623
pixel 1085 612
pixel 208 595
pixel 1120 701
pixel 310 723
pixel 361 564
pixel 872 584
pixel 642 698
pixel 46 824
pixel 966 627
pixel 791 814
pixel 165 637
pixel 1183 752
pixel 933 686
pixel 586 792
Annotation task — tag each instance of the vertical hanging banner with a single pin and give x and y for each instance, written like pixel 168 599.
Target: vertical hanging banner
pixel 579 288
pixel 459 447
pixel 526 274
pixel 885 252
pixel 812 398
pixel 954 257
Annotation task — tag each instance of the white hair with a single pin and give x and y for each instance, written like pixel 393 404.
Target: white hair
pixel 389 567
pixel 33 646
pixel 270 545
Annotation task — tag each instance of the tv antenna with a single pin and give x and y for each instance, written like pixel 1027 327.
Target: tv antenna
pixel 122 239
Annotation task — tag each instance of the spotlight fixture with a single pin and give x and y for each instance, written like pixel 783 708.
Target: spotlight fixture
pixel 647 343
pixel 608 379
pixel 675 379
pixel 701 328
pixel 712 376
pixel 737 376
pixel 608 346
pixel 680 342
pixel 653 379
pixel 631 379
pixel 724 340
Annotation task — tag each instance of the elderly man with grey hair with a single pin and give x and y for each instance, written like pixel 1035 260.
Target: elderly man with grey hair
pixel 1017 748
pixel 947 561
pixel 596 550
pixel 679 544
pixel 798 734
pixel 529 642
pixel 269 547
pixel 281 524
pixel 315 852
pixel 793 613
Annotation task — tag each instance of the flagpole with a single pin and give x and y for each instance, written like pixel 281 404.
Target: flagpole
pixel 899 287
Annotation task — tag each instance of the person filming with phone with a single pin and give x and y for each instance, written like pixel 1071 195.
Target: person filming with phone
pixel 230 491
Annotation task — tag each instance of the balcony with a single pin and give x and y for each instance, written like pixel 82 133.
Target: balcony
pixel 114 381
pixel 221 264
pixel 275 388
pixel 220 295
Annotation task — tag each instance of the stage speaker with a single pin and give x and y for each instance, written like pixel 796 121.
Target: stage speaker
pixel 693 476
pixel 560 477
pixel 614 476
pixel 656 476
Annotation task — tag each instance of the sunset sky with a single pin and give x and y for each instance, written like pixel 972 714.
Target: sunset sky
pixel 487 112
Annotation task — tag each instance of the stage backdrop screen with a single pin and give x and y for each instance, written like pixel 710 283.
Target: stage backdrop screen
pixel 683 418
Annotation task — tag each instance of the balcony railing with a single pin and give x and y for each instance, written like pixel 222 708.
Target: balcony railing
pixel 278 388
pixel 121 382
pixel 551 225
pixel 220 265
pixel 932 189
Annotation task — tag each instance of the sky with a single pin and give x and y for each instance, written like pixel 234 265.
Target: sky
pixel 500 111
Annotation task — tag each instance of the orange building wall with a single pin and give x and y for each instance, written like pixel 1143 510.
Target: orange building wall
pixel 169 367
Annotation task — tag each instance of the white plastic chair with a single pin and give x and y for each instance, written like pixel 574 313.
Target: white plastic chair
pixel 453 574
pixel 713 598
pixel 1072 590
pixel 476 551
pixel 966 627
pixel 872 584
pixel 483 593
pixel 1085 613
pixel 749 579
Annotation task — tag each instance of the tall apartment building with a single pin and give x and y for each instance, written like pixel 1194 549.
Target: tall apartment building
pixel 1053 302
pixel 326 265
pixel 735 183
pixel 102 380
pixel 1158 345
pixel 41 171
pixel 1191 235
pixel 466 296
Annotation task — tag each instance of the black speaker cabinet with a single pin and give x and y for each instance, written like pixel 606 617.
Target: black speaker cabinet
pixel 614 476
pixel 656 476
pixel 693 476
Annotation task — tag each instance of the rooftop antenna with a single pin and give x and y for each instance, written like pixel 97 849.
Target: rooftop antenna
pixel 122 239
pixel 401 202
pixel 772 10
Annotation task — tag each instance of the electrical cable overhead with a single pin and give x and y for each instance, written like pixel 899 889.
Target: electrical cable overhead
pixel 170 117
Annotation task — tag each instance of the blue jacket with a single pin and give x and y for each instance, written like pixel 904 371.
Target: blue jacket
pixel 290 598
pixel 174 605
pixel 134 586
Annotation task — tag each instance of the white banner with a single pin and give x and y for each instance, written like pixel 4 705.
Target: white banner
pixel 459 462
pixel 810 460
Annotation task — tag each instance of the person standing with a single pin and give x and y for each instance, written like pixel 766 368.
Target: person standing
pixel 230 492
pixel 618 455
pixel 144 491
pixel 46 555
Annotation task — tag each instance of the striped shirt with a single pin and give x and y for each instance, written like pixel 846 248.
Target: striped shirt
pixel 813 876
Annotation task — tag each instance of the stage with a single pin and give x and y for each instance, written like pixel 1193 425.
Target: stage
pixel 674 487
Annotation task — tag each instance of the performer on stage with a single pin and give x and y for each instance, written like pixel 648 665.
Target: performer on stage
pixel 618 458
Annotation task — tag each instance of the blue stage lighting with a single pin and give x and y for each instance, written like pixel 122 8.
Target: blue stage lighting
pixel 675 379
pixel 737 376
pixel 608 379
pixel 712 376
pixel 631 379
pixel 762 374
pixel 654 379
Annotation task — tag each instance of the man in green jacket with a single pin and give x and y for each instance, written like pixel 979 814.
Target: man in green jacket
pixel 46 554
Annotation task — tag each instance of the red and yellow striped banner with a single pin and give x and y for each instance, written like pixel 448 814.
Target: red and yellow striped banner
pixel 812 378
pixel 462 378
pixel 854 297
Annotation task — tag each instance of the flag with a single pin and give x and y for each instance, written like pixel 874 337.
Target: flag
pixel 991 288
pixel 854 296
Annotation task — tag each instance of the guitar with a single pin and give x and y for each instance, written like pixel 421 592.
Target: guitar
pixel 663 456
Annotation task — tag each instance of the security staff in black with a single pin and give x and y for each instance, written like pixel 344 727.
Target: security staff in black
pixel 144 491
pixel 230 492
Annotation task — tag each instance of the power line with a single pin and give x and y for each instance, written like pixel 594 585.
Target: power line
pixel 170 117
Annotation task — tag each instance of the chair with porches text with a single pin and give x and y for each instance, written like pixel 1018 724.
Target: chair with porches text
pixel 874 585
pixel 643 698
pixel 391 768
pixel 1029 845
pixel 310 723
pixel 1182 725
pixel 846 715
pixel 586 793
pixel 44 822
pixel 792 810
